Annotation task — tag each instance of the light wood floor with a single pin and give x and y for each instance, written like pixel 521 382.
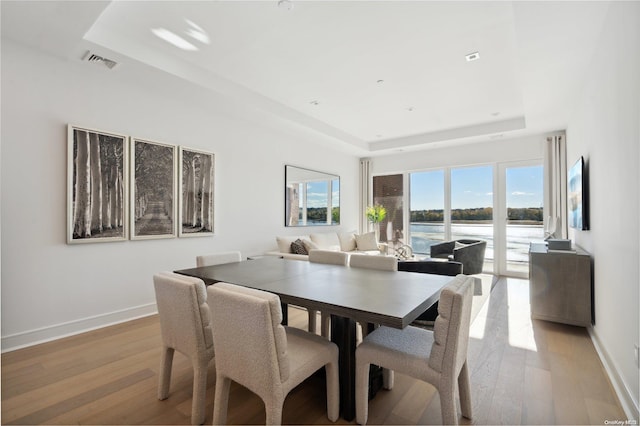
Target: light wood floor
pixel 523 372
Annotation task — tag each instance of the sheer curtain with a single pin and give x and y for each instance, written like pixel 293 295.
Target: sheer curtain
pixel 365 190
pixel 555 164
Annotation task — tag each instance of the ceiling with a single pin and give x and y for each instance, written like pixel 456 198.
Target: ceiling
pixel 377 76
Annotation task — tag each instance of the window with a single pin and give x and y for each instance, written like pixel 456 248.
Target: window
pixel 427 210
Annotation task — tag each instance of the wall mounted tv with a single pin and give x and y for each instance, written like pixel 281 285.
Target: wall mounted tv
pixel 578 196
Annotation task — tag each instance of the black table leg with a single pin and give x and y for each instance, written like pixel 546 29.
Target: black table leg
pixel 285 313
pixel 343 334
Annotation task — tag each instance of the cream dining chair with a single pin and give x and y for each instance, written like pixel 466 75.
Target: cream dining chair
pixel 367 261
pixel 254 350
pixel 328 257
pixel 218 258
pixel 438 357
pixel 379 262
pixel 186 327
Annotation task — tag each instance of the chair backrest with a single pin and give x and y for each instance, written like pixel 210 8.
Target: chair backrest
pixel 218 258
pixel 250 342
pixel 451 328
pixel 380 262
pixel 185 320
pixel 329 256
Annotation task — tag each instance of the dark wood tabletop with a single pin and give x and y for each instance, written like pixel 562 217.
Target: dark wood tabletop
pixel 394 299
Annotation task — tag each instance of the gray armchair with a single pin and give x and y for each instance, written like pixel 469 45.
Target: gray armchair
pixel 468 252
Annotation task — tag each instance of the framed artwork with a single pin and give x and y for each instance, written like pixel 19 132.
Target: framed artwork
pixel 153 189
pixel 197 171
pixel 97 187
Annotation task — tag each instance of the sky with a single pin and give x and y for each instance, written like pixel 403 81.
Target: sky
pixel 472 187
pixel 317 194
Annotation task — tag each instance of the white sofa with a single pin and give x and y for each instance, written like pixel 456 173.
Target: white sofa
pixel 349 242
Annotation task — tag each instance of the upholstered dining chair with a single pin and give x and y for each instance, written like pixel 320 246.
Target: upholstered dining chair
pixel 218 258
pixel 438 357
pixel 329 257
pixel 332 258
pixel 186 327
pixel 254 350
pixel 379 262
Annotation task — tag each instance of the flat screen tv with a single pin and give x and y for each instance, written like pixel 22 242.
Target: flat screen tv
pixel 578 196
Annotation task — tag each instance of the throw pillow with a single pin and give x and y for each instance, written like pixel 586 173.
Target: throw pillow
pixel 367 241
pixel 347 241
pixel 297 247
pixel 309 245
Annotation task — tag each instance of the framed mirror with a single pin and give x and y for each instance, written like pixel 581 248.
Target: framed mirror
pixel 312 198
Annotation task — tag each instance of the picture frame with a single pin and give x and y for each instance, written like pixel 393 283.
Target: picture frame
pixel 97 186
pixel 197 183
pixel 153 204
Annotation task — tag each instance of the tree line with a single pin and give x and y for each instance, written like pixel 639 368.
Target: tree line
pixel 98 187
pixel 319 214
pixel 533 214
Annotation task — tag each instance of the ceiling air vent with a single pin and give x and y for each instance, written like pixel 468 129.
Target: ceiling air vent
pixel 97 59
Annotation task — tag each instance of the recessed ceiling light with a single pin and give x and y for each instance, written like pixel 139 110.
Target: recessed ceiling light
pixel 410 109
pixel 314 103
pixel 380 81
pixel 473 56
pixel 285 4
pixel 173 38
pixel 495 114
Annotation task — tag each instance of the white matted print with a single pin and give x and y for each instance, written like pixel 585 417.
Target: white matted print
pixel 197 171
pixel 153 189
pixel 97 188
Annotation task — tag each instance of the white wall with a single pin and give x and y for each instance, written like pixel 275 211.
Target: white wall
pixel 50 288
pixel 605 129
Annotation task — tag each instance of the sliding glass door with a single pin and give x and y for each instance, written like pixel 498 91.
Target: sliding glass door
pixel 522 215
pixel 426 210
pixel 472 207
pixel 498 203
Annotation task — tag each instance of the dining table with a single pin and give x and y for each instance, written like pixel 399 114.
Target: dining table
pixel 348 294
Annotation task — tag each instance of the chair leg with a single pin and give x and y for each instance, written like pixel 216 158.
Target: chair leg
pixel 362 392
pixel 325 325
pixel 464 386
pixel 387 378
pixel 164 381
pixel 221 400
pixel 273 407
pixel 199 392
pixel 333 391
pixel 448 403
pixel 312 320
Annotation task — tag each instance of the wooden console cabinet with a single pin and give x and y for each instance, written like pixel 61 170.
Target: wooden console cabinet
pixel 560 285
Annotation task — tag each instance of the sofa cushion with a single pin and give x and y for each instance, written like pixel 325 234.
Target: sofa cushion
pixel 347 241
pixel 298 247
pixel 326 241
pixel 309 245
pixel 366 241
pixel 284 242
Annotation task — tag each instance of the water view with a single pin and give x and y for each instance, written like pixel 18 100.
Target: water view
pixel 423 235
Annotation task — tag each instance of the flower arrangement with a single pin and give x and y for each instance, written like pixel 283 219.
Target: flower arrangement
pixel 376 213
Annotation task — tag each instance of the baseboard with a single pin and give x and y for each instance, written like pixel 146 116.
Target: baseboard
pixel 58 331
pixel 621 389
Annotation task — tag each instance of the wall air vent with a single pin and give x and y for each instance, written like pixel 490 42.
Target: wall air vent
pixel 97 59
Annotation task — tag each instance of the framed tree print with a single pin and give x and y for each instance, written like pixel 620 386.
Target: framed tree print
pixel 153 189
pixel 97 189
pixel 197 171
